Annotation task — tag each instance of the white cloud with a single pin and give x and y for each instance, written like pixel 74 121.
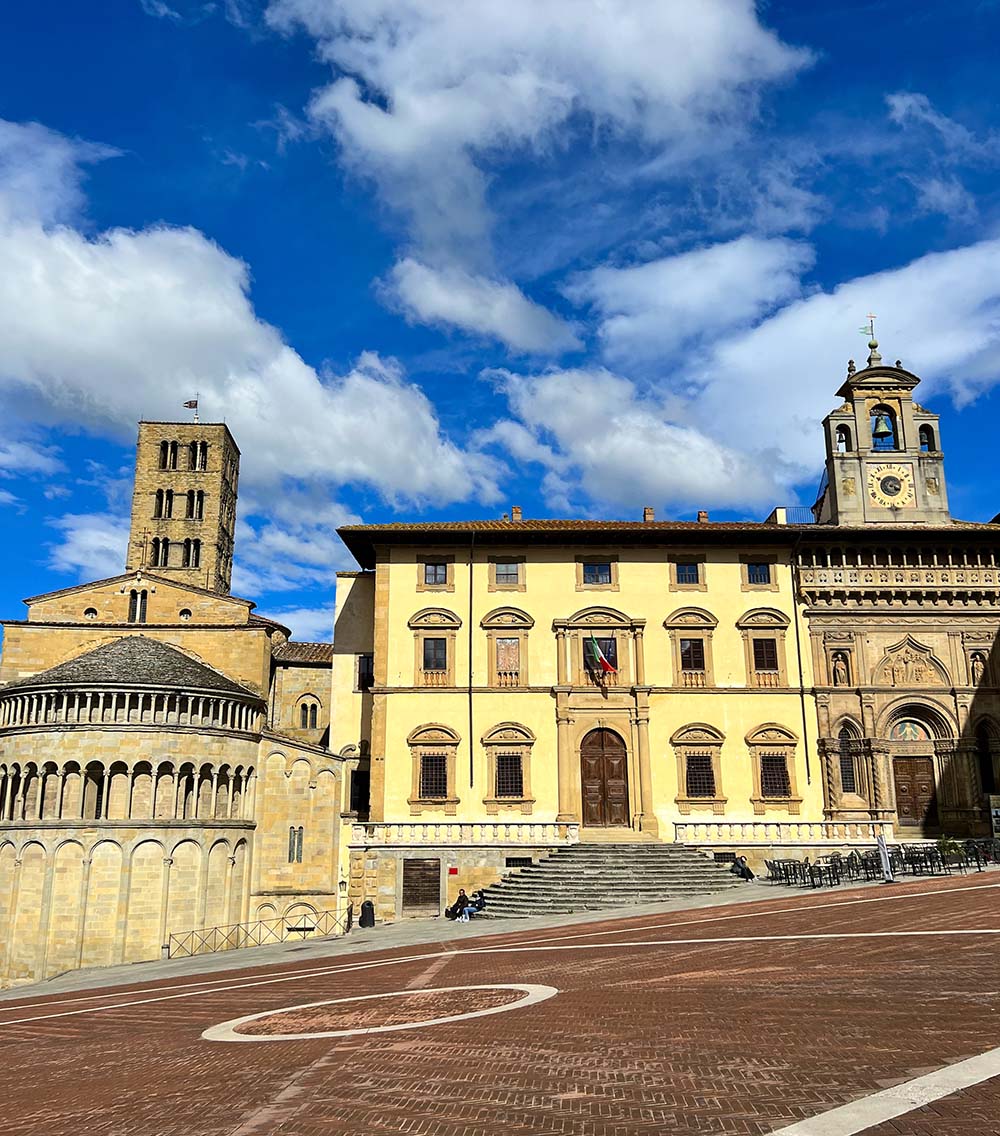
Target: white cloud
pixel 650 310
pixel 621 448
pixel 92 545
pixel 429 93
pixel 159 10
pixel 945 195
pixel 480 305
pixel 98 332
pixel 307 624
pixel 7 498
pixel 910 109
pixel 20 458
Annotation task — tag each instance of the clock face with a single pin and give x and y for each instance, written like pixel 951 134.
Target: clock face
pixel 891 486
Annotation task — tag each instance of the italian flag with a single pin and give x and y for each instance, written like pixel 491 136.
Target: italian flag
pixel 598 659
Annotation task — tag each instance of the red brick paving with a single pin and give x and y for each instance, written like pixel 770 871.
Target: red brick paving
pixel 699 1037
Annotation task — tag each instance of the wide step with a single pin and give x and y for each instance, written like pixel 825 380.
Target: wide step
pixel 606 876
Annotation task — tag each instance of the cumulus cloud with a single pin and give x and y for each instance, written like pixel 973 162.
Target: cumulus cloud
pixel 92 546
pixel 596 432
pixel 650 310
pixel 451 297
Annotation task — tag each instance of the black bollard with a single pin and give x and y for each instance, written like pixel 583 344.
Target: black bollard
pixel 367 914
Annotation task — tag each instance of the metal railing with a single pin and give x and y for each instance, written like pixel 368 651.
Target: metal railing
pixel 258 933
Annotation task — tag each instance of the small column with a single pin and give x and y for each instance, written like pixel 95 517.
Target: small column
pixel 164 896
pixel 215 791
pixel 228 890
pixel 561 677
pixel 38 795
pixel 640 656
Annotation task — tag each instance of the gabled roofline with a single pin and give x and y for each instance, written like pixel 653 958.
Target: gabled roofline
pixel 132 576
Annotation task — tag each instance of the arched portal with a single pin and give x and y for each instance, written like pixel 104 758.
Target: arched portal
pixel 604 779
pixel 912 731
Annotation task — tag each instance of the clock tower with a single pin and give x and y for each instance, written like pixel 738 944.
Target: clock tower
pixel 884 463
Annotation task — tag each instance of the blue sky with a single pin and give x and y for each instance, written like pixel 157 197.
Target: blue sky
pixel 430 259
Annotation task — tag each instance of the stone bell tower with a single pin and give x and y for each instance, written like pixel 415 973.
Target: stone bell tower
pixel 184 503
pixel 884 463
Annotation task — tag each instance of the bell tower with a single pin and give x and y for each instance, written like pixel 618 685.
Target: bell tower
pixel 884 463
pixel 184 503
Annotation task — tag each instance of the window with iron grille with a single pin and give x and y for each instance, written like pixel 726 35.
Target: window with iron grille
pixel 433 775
pixel 774 780
pixel 687 571
pixel 435 654
pixel 436 572
pixel 848 774
pixel 759 573
pixel 700 775
pixel 597 573
pixel 510 775
pixel 519 861
pixel 508 572
pixel 366 672
pixel 692 654
pixel 765 654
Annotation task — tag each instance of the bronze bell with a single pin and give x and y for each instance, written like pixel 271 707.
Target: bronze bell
pixel 883 428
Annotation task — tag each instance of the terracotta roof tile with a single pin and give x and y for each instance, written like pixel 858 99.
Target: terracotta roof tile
pixel 320 654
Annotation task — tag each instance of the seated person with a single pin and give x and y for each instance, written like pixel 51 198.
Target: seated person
pixel 460 904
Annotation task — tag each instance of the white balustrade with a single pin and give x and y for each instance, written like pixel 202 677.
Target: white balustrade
pixel 781 832
pixel 527 833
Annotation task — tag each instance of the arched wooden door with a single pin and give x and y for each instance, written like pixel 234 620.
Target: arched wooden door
pixel 604 779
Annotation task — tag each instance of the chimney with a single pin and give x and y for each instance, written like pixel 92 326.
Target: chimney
pixel 702 517
pixel 515 513
pixel 648 514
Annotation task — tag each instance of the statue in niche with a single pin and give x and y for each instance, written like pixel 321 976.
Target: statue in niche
pixel 978 666
pixel 841 671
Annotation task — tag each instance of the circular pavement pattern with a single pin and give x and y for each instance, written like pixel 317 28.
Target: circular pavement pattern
pixel 378 1013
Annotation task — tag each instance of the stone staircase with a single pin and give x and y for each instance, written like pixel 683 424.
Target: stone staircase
pixel 593 876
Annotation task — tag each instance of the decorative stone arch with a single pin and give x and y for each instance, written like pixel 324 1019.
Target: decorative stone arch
pixel 305 712
pixel 602 622
pixel 909 663
pixel 691 623
pixel 772 749
pixel 434 623
pixel 698 750
pixel 937 722
pixel 507 646
pixel 764 624
pixel 428 744
pixel 508 745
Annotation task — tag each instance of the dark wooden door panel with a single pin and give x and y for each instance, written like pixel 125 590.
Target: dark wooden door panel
pixel 421 885
pixel 916 799
pixel 604 779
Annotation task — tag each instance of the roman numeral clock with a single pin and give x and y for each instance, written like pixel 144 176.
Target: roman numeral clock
pixel 890 486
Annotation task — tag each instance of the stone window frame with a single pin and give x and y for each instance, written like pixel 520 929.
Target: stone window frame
pixel 597 558
pixel 508 737
pixel 433 738
pixel 698 738
pixel 697 624
pixel 748 558
pixel 507 623
pixel 764 623
pixel 434 623
pixel 522 569
pixel 700 560
pixel 611 624
pixel 773 738
pixel 424 558
pixel 358 688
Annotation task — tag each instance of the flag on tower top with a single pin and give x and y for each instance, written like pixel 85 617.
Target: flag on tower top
pixel 191 404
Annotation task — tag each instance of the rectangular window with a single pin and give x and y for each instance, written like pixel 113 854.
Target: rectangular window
pixel 692 654
pixel 433 776
pixel 510 775
pixel 774 780
pixel 295 845
pixel 687 572
pixel 508 572
pixel 435 572
pixel 765 654
pixel 508 662
pixel 435 654
pixel 700 775
pixel 597 573
pixel 759 573
pixel 366 672
pixel 608 648
pixel 848 775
